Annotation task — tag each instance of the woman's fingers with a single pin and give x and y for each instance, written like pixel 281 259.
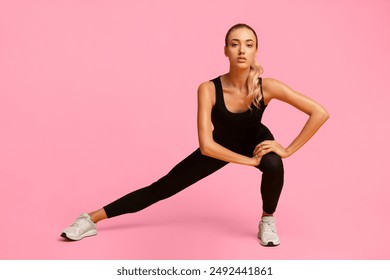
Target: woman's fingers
pixel 268 146
pixel 263 146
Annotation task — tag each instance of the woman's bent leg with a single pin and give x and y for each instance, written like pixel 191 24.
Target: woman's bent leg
pixel 193 168
pixel 271 186
pixel 272 181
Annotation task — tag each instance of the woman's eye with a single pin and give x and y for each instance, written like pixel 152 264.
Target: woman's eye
pixel 249 45
pixel 234 45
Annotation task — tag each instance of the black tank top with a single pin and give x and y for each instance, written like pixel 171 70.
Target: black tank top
pixel 236 130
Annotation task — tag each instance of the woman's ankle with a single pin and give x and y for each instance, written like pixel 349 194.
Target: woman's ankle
pixel 98 215
pixel 264 214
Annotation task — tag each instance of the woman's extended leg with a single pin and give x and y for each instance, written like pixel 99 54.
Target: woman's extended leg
pixel 190 170
pixel 193 168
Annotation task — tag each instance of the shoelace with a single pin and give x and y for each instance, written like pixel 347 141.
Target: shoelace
pixel 79 222
pixel 269 227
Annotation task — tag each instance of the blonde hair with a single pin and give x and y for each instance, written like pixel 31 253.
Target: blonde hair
pixel 254 91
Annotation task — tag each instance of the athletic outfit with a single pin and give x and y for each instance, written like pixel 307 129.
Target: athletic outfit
pixel 239 132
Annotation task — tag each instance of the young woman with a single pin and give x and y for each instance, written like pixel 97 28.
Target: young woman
pixel 230 108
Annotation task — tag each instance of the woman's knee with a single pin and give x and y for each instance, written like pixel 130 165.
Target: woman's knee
pixel 271 163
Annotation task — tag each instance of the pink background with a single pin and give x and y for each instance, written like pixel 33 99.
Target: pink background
pixel 98 98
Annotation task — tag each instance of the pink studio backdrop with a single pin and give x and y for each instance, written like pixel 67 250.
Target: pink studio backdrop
pixel 98 98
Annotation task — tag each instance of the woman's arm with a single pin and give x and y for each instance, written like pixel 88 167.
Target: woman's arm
pixel 208 147
pixel 274 89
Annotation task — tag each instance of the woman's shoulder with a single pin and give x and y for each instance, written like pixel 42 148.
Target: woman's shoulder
pixel 206 91
pixel 271 89
pixel 268 82
pixel 207 87
pixel 206 84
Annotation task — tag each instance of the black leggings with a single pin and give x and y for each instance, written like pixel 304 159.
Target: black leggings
pixel 190 170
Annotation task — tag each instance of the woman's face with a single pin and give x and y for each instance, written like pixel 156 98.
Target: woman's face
pixel 241 49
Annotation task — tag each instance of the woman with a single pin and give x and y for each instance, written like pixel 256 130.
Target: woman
pixel 233 105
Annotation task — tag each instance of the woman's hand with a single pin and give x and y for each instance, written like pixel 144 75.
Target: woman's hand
pixel 255 160
pixel 268 146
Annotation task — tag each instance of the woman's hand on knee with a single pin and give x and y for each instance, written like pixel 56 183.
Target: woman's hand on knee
pixel 268 146
pixel 256 160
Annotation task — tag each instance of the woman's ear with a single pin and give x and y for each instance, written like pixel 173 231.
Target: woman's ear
pixel 225 50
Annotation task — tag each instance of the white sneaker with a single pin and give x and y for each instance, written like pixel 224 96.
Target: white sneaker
pixel 268 234
pixel 82 227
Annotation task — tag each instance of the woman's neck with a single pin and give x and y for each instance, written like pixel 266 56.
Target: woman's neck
pixel 238 78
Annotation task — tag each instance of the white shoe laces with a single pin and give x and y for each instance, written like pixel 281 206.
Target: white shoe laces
pixel 269 226
pixel 79 222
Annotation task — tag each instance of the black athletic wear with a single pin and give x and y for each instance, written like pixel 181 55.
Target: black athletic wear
pixel 239 132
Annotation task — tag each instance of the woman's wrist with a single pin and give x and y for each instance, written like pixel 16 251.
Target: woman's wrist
pixel 254 161
pixel 288 152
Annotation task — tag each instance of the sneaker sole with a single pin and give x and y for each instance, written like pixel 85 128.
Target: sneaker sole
pixel 87 234
pixel 269 244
